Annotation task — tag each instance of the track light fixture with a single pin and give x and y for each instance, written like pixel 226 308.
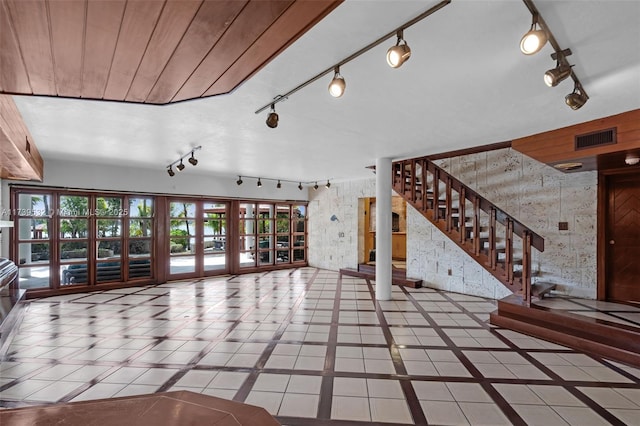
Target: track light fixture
pixel 554 76
pixel 576 99
pixel 179 163
pixel 328 185
pixel 337 85
pixel 534 39
pixel 400 53
pixel 279 182
pixel 193 160
pixel 272 118
pixel 563 69
pixel 396 56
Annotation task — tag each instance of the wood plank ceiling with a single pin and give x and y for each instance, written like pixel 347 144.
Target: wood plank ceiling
pixel 149 51
pixel 143 51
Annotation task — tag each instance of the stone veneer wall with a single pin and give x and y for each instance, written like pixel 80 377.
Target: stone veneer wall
pixel 536 194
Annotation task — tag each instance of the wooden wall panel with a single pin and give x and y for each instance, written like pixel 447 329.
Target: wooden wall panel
pixel 139 20
pixel 174 20
pixel 31 25
pixel 16 160
pixel 247 28
pixel 12 78
pixel 67 42
pixel 559 145
pixel 211 21
pixel 297 19
pixel 104 18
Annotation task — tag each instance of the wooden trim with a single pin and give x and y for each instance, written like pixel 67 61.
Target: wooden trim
pixel 468 151
pixel 558 145
pixel 601 268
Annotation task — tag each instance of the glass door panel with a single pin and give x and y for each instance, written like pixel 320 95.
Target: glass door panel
pixel 198 238
pixel 247 248
pixel 215 236
pixel 140 237
pixel 73 245
pixel 283 229
pixel 182 232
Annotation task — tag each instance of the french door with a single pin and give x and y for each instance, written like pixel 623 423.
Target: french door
pixel 197 238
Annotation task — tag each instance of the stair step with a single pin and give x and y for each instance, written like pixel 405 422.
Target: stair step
pixel 541 288
pixel 398 276
pixel 608 340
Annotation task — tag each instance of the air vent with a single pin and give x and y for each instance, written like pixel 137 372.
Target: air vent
pixel 592 140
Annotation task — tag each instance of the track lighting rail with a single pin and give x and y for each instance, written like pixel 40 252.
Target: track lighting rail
pixel 240 181
pixel 354 55
pixel 560 55
pixel 180 164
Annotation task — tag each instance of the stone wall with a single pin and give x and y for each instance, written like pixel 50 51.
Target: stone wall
pixel 537 195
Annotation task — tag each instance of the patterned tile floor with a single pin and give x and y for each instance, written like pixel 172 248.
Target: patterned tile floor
pixel 313 349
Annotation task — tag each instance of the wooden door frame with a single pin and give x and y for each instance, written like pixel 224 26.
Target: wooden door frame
pixel 603 213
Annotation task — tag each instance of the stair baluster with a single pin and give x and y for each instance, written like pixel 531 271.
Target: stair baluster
pixel 476 226
pixel 448 209
pixel 508 254
pixel 413 179
pixel 462 216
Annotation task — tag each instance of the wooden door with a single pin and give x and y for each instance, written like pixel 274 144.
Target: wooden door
pixel 623 238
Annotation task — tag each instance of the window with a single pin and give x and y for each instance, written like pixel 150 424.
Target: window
pixel 67 238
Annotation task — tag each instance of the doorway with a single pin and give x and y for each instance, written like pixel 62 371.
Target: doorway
pixel 622 237
pixel 367 230
pixel 197 238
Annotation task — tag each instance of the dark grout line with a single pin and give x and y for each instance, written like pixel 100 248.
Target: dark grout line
pixel 411 397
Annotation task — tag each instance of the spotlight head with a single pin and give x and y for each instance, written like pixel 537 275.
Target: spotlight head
pixel 554 76
pixel 180 166
pixel 328 185
pixel 398 54
pixel 171 172
pixel 239 181
pixel 279 185
pixel 272 118
pixel 259 183
pixel 193 160
pixel 576 99
pixel 315 187
pixel 300 186
pixel 337 85
pixel 534 39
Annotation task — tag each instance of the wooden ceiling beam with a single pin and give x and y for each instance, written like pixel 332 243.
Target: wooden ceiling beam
pixel 19 157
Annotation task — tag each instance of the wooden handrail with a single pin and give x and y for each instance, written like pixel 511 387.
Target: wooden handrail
pixel 426 197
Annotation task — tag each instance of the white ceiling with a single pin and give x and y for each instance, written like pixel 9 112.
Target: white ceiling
pixel 466 84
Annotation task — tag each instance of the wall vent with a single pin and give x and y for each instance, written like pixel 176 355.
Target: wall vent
pixel 594 139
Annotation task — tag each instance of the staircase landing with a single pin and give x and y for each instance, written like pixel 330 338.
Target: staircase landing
pixel 398 276
pixel 605 329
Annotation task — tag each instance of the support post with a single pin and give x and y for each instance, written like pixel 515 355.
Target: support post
pixel 383 228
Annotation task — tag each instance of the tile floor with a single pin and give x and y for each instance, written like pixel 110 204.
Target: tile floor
pixel 313 349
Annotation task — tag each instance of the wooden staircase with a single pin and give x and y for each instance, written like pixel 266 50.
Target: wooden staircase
pixel 503 246
pixel 497 241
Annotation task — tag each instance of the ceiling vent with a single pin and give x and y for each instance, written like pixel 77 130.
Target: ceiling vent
pixel 599 138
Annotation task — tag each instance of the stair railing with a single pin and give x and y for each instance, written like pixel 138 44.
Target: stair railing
pixel 432 191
